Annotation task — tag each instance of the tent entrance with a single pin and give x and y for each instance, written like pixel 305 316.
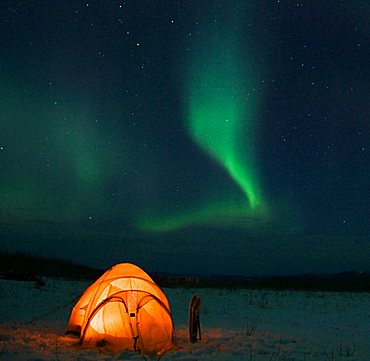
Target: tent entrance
pixel 113 324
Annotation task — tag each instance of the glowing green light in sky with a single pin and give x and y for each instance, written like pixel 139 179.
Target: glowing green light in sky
pixel 221 98
pixel 221 109
pixel 216 213
pixel 56 158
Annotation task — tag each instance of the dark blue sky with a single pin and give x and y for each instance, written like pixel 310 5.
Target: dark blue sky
pixel 228 137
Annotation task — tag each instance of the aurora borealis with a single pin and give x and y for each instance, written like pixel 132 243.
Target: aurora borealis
pixel 222 106
pixel 220 109
pixel 203 137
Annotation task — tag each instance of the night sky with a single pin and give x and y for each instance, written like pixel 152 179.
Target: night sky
pixel 198 136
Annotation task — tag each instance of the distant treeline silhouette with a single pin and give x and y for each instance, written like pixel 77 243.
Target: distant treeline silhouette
pixel 25 266
pixel 338 282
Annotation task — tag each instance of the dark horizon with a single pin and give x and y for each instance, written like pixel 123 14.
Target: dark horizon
pixel 23 264
pixel 221 137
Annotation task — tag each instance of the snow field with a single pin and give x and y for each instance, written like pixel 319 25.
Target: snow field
pixel 236 325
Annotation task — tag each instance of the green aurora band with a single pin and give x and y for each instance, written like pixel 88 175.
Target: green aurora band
pixel 222 108
pixel 220 111
pixel 58 172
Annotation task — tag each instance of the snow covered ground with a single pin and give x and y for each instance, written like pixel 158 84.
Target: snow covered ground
pixel 236 325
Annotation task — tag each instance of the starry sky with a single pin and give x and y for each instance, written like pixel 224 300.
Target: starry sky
pixel 198 136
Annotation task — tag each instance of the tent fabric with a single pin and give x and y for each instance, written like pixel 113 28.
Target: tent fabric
pixel 125 309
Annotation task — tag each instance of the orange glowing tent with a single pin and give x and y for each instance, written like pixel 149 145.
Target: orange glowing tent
pixel 126 310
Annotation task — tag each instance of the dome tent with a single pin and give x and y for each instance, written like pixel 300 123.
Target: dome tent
pixel 126 310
